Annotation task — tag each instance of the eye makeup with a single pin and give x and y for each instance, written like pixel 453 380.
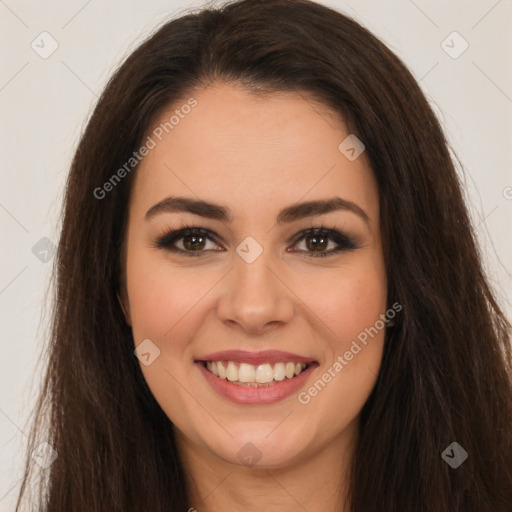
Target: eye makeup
pixel 197 237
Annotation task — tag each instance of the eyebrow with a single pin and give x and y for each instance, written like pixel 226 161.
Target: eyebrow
pixel 289 214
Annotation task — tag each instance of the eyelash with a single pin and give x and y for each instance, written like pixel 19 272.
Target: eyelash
pixel 167 240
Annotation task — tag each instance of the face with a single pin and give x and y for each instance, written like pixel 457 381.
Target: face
pixel 251 281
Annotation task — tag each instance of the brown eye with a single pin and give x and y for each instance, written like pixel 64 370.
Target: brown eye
pixel 317 240
pixel 193 241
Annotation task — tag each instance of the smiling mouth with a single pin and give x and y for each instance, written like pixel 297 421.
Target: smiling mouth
pixel 262 375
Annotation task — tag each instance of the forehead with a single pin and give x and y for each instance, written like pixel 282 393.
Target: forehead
pixel 252 153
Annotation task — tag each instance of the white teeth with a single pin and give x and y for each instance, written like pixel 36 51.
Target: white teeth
pixel 221 370
pixel 232 371
pixel 289 370
pixel 246 373
pixel 264 374
pixel 249 374
pixel 279 373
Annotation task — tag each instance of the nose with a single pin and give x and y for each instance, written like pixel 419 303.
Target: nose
pixel 255 298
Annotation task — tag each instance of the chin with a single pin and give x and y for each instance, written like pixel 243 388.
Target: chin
pixel 264 447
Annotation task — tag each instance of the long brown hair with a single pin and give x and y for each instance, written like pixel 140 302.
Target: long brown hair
pixel 446 370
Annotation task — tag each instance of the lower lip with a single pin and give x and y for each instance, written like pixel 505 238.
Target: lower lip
pixel 252 395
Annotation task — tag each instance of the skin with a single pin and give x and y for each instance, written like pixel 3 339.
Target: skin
pixel 257 156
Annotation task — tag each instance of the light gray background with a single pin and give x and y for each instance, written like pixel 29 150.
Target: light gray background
pixel 45 104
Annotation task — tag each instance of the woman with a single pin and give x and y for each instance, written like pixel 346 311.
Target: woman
pixel 269 295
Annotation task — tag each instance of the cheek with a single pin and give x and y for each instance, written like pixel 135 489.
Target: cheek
pixel 167 300
pixel 161 297
pixel 347 301
pixel 349 305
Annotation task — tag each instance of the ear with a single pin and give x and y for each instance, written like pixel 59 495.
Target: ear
pixel 122 297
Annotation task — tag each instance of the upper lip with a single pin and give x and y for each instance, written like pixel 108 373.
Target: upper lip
pixel 255 358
